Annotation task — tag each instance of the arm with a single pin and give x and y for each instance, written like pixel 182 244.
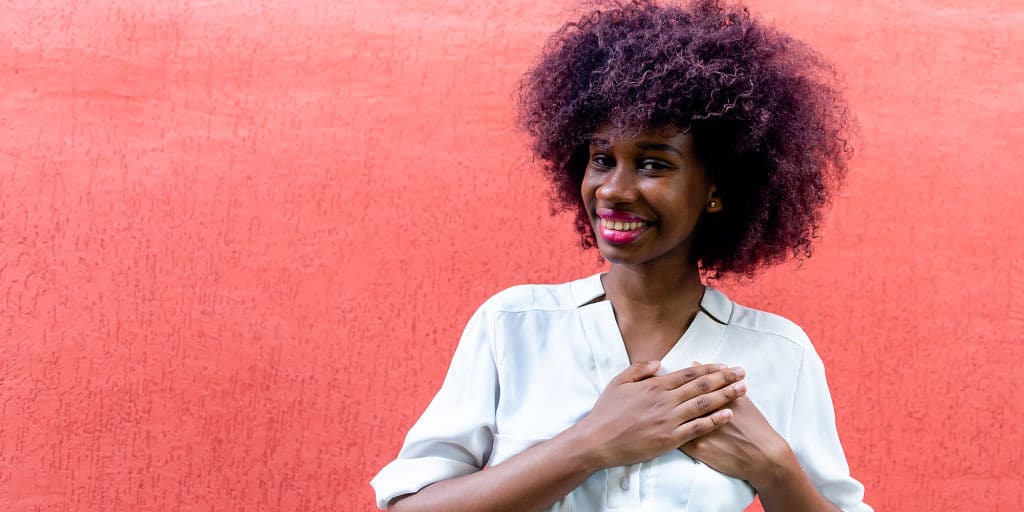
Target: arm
pixel 806 473
pixel 454 435
pixel 814 439
pixel 749 449
pixel 787 488
pixel 637 417
pixel 532 480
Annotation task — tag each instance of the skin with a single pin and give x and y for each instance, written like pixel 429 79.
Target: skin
pixel 657 176
pixel 651 281
pixel 637 417
pixel 701 410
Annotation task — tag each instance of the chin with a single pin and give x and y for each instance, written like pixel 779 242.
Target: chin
pixel 640 255
pixel 620 255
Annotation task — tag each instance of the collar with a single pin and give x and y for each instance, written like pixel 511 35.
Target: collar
pixel 714 303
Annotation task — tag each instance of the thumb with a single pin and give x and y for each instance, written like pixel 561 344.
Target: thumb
pixel 637 372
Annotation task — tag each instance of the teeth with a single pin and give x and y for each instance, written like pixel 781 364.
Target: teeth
pixel 621 226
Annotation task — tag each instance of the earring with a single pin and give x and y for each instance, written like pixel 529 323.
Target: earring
pixel 712 204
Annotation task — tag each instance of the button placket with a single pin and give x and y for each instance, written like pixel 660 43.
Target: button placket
pixel 622 486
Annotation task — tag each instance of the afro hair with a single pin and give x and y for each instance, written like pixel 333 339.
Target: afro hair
pixel 768 119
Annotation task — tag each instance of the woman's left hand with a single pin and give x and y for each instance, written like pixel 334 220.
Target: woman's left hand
pixel 747 447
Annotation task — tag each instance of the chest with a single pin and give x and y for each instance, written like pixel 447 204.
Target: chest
pixel 649 339
pixel 553 367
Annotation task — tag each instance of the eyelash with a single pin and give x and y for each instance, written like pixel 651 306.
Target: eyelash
pixel 657 166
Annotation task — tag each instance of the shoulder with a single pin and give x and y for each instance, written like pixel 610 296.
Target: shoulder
pixel 537 304
pixel 534 297
pixel 769 327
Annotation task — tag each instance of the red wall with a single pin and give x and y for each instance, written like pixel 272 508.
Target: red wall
pixel 240 239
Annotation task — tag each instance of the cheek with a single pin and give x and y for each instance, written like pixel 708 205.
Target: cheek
pixel 681 208
pixel 690 194
pixel 588 188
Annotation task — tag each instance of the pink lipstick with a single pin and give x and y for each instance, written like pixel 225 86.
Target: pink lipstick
pixel 619 227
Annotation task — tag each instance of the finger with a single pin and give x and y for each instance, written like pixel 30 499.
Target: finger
pixel 707 383
pixel 637 372
pixel 679 377
pixel 702 426
pixel 703 404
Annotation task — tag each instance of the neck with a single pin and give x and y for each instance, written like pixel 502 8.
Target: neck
pixel 656 288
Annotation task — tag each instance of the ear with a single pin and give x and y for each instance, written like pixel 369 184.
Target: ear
pixel 713 201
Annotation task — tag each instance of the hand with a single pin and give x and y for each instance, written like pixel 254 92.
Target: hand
pixel 747 447
pixel 640 416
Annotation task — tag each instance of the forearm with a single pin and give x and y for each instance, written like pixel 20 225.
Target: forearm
pixel 530 481
pixel 788 489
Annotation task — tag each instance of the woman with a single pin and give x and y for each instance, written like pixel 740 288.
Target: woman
pixel 690 142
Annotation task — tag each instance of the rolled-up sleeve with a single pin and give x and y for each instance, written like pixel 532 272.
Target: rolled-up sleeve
pixel 454 435
pixel 815 439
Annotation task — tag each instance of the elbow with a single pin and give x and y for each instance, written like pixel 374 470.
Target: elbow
pixel 404 504
pixel 418 502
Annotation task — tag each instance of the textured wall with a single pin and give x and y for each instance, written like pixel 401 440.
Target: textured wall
pixel 239 241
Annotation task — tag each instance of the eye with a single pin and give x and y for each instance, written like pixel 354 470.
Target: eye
pixel 653 165
pixel 604 161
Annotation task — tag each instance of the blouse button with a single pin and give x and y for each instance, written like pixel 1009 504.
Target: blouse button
pixel 624 483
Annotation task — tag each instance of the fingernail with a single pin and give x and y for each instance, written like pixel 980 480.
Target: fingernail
pixel 720 366
pixel 740 387
pixel 738 372
pixel 726 414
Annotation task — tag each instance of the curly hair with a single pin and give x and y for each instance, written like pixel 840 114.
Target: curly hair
pixel 766 113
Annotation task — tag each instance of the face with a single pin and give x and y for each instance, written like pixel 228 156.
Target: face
pixel 644 195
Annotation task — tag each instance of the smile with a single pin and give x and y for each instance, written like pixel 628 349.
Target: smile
pixel 621 226
pixel 621 233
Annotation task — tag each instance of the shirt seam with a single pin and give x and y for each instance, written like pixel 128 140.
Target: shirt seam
pixel 792 401
pixel 529 310
pixel 493 345
pixel 770 333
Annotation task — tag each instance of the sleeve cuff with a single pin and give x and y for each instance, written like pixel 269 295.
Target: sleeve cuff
pixel 408 476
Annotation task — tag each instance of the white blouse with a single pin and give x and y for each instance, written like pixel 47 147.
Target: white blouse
pixel 533 360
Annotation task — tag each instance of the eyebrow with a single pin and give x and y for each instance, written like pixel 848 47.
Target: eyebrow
pixel 659 147
pixel 651 146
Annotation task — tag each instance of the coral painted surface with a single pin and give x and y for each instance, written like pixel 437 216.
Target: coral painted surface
pixel 240 240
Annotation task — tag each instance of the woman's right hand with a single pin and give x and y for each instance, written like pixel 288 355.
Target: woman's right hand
pixel 640 415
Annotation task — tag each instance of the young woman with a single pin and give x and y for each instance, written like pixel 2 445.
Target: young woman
pixel 691 142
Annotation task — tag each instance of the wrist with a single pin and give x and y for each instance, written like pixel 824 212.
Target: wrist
pixel 779 469
pixel 582 451
pixel 788 488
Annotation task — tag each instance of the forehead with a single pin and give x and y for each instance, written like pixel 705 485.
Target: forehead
pixel 607 135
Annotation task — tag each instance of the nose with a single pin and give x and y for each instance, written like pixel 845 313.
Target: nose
pixel 618 185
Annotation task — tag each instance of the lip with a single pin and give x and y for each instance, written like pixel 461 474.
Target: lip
pixel 619 215
pixel 620 237
pixel 616 237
